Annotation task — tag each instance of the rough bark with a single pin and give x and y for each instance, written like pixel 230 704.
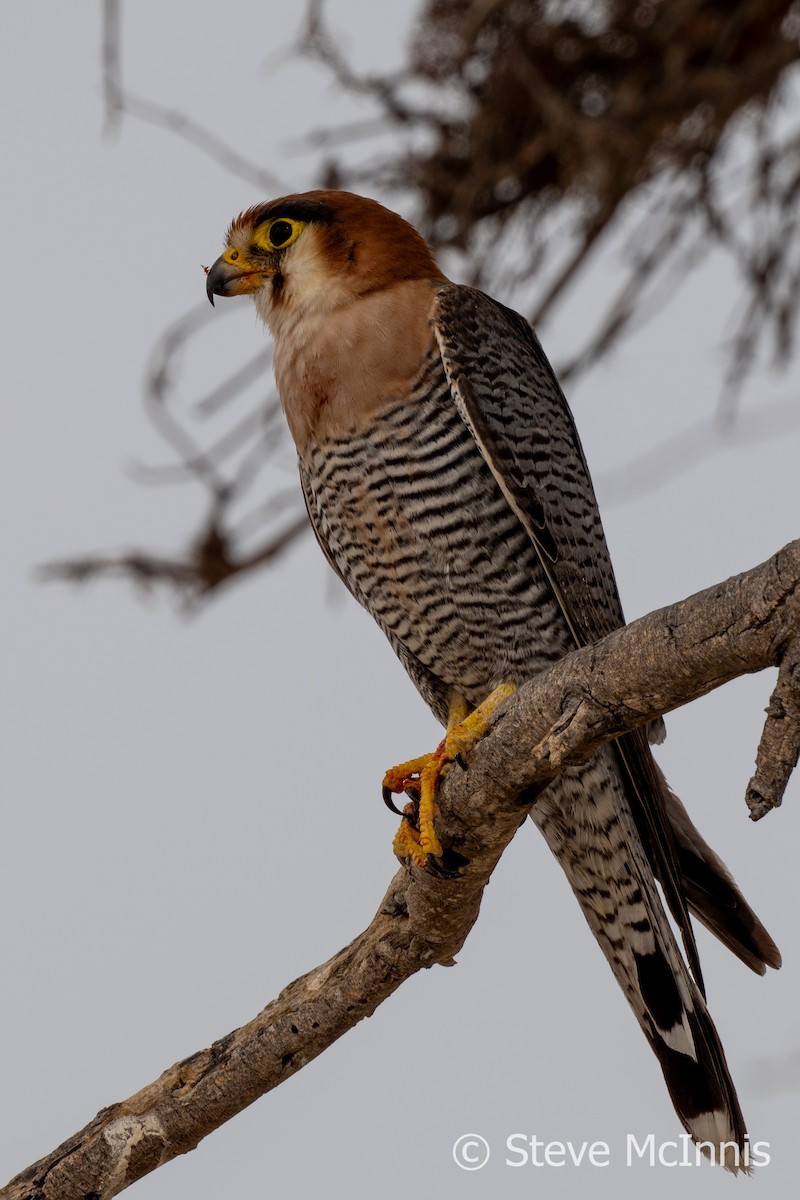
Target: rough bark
pixel 646 669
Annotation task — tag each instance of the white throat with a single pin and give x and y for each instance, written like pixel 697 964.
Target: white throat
pixel 307 289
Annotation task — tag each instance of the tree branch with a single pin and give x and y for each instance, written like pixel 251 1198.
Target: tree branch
pixel 210 563
pixel 637 673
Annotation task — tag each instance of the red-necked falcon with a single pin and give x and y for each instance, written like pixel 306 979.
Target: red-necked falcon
pixel 446 484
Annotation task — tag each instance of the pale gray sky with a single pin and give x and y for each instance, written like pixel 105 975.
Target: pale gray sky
pixel 192 811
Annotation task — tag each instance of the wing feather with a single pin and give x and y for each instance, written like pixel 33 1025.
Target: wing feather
pixel 508 395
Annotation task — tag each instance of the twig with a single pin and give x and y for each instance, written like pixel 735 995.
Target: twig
pixel 112 72
pixel 697 442
pixel 211 562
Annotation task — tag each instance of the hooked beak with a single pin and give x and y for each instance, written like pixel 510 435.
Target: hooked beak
pixel 232 279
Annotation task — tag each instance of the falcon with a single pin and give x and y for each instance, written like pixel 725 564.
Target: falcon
pixel 448 489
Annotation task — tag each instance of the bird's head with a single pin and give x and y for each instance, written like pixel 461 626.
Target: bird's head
pixel 316 251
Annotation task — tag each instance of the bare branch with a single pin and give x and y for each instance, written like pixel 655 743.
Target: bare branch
pixel 317 41
pixel 212 562
pixel 203 139
pixel 212 457
pixel 218 397
pixel 778 750
pixel 119 102
pixel 112 77
pixel 533 137
pixel 226 468
pixel 697 442
pixel 635 675
pixel 523 112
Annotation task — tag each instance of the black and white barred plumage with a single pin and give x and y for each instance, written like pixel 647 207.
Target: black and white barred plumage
pixel 463 518
pixel 447 486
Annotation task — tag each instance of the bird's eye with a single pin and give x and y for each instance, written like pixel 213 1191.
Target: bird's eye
pixel 280 232
pixel 277 234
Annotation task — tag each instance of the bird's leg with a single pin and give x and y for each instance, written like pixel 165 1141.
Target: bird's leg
pixel 421 775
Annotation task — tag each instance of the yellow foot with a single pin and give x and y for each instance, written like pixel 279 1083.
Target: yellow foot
pixel 421 776
pixel 406 842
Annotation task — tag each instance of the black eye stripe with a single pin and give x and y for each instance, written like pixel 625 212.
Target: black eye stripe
pixel 297 210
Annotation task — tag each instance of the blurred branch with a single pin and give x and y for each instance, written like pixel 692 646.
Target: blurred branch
pixel 119 102
pixel 539 109
pixel 112 91
pixel 208 565
pixel 534 138
pixel 226 468
pixel 698 442
pixel 216 148
pixel 558 718
pixel 317 42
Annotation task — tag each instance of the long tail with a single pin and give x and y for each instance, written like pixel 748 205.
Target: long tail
pixel 712 894
pixel 586 820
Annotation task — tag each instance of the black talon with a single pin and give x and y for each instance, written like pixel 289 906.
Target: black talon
pixel 449 866
pixel 389 802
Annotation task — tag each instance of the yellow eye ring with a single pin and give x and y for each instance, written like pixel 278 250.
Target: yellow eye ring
pixel 278 233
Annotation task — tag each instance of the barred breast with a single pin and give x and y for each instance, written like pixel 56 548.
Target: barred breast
pixel 410 515
pixel 412 519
